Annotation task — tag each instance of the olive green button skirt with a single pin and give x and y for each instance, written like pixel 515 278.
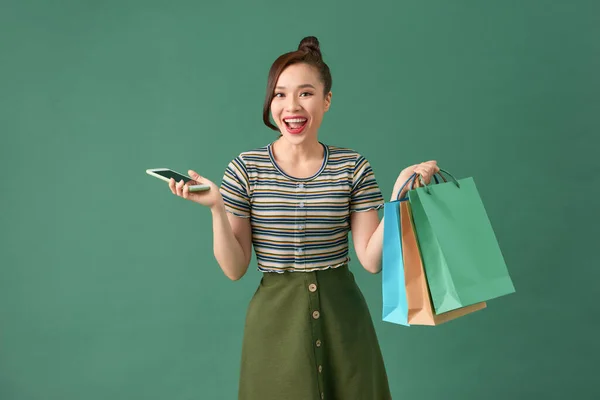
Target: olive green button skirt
pixel 310 336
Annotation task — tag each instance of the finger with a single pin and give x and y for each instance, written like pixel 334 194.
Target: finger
pixel 425 174
pixel 180 188
pixel 186 191
pixel 425 167
pixel 172 185
pixel 433 165
pixel 194 175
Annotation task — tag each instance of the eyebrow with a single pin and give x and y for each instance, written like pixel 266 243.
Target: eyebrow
pixel 306 85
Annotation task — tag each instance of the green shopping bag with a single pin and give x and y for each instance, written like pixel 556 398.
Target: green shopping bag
pixel 461 256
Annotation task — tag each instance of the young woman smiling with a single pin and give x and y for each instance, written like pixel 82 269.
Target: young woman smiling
pixel 308 332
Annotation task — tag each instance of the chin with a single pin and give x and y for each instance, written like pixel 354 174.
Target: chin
pixel 298 138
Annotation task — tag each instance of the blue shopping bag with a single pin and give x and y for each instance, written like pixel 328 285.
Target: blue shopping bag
pixel 395 303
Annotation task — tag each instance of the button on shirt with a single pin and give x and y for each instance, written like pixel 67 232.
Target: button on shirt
pixel 300 224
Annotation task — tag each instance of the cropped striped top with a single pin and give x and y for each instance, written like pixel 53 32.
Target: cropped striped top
pixel 300 224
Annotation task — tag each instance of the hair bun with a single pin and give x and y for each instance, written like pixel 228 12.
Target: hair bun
pixel 310 44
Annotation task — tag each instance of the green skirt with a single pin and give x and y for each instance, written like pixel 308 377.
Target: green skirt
pixel 310 336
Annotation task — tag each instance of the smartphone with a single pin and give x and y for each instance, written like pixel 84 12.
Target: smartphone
pixel 164 174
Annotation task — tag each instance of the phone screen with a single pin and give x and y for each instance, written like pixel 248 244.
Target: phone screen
pixel 172 174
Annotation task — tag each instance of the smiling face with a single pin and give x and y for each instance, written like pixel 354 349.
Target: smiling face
pixel 299 103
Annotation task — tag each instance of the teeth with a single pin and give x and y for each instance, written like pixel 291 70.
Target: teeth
pixel 297 120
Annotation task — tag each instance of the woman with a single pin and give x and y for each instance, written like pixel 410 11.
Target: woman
pixel 308 333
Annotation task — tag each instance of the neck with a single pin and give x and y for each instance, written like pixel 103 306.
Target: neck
pixel 306 151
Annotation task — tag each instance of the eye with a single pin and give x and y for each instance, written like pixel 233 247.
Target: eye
pixel 305 93
pixel 278 95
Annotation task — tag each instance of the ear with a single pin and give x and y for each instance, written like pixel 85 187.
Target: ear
pixel 328 101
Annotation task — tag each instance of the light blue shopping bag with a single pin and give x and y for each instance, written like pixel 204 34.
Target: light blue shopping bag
pixel 395 303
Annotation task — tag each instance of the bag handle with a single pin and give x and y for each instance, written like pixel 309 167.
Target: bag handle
pixel 421 183
pixel 414 183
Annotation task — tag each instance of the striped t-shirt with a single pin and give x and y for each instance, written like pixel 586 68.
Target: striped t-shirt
pixel 300 224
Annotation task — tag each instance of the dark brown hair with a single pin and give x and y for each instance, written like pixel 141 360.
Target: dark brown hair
pixel 309 53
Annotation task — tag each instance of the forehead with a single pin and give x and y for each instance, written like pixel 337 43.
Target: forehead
pixel 299 74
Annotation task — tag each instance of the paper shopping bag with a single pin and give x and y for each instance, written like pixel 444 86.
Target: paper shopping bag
pixel 420 309
pixel 395 308
pixel 461 256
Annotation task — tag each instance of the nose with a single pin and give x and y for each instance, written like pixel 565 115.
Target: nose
pixel 292 104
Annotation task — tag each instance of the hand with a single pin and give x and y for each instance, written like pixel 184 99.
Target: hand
pixel 210 198
pixel 425 169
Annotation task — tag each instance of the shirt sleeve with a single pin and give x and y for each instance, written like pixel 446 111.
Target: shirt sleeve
pixel 235 188
pixel 365 194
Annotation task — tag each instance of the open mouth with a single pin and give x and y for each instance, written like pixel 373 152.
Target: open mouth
pixel 295 125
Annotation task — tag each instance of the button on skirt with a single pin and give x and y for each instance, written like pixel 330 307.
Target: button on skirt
pixel 309 335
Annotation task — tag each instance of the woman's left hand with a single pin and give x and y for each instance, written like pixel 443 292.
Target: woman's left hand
pixel 426 170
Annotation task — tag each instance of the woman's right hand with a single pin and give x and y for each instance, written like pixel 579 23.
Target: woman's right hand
pixel 210 198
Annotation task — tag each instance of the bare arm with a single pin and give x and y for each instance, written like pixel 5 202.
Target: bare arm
pixel 367 230
pixel 232 235
pixel 232 242
pixel 367 236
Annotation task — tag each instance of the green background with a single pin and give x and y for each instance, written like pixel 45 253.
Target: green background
pixel 108 285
